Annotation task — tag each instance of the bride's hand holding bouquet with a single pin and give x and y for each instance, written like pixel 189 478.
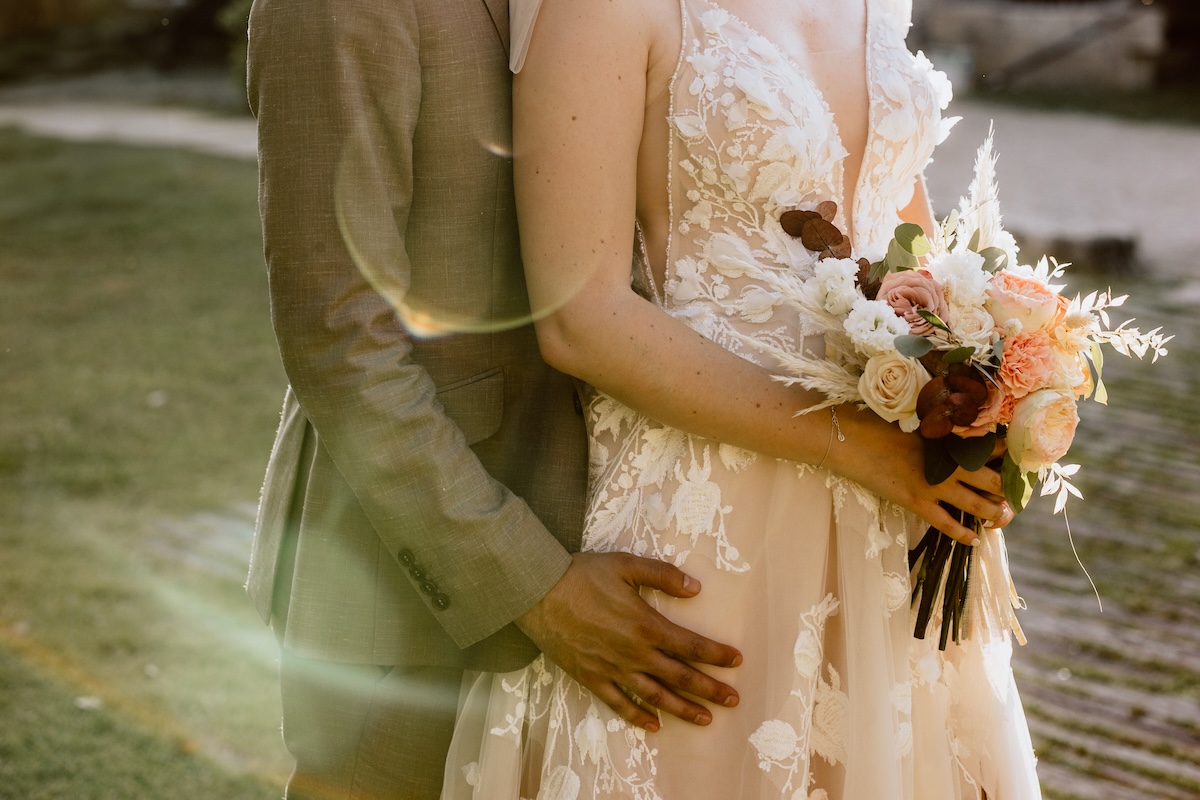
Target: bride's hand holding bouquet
pixel 948 337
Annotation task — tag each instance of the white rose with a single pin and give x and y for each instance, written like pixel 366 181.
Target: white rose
pixel 1042 429
pixel 890 384
pixel 974 325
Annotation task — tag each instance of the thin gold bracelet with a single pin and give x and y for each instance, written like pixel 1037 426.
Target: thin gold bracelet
pixel 834 427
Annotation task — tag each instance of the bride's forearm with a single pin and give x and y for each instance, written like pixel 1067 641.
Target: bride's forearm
pixel 630 349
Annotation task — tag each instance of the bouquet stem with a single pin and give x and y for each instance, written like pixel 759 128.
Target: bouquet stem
pixel 935 556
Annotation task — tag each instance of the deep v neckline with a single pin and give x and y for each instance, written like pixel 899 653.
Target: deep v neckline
pixel 850 215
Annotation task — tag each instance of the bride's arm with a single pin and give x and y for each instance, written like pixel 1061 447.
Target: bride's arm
pixel 579 108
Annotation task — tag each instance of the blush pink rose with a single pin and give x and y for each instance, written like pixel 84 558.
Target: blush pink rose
pixel 1014 297
pixel 1028 363
pixel 1042 429
pixel 913 289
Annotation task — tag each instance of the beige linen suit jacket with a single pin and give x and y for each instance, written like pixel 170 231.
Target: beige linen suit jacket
pixel 422 492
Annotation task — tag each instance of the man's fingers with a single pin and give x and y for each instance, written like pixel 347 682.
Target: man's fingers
pixel 625 708
pixel 655 574
pixel 654 694
pixel 686 646
pixel 686 679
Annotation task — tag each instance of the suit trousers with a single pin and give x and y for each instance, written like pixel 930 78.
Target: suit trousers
pixel 365 732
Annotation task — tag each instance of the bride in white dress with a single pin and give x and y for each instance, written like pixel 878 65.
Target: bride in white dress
pixel 674 133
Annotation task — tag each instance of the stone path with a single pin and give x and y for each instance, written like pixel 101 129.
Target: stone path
pixel 142 125
pixel 1076 176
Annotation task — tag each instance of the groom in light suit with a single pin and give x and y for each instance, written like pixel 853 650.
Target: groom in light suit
pixel 423 494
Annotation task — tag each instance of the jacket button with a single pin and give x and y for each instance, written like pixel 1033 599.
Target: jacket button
pixel 429 587
pixel 417 573
pixel 406 558
pixel 441 602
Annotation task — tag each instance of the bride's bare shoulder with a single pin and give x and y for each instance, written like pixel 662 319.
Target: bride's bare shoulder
pixel 620 28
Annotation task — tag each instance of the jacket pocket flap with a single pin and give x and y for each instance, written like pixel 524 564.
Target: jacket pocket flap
pixel 475 404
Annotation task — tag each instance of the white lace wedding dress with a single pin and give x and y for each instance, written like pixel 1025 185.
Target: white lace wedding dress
pixel 804 572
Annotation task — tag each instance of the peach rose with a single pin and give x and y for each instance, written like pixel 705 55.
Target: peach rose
pixel 1042 429
pixel 913 289
pixel 1013 297
pixel 1028 363
pixel 890 384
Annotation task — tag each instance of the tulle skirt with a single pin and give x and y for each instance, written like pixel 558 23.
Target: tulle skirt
pixel 807 575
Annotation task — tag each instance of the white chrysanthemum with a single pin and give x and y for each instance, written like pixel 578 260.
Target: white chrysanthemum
pixel 833 285
pixel 873 326
pixel 962 276
pixel 775 740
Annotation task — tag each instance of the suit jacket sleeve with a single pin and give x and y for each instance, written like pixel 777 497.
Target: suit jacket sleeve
pixel 338 79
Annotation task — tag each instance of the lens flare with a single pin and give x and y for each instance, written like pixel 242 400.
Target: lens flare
pixel 444 295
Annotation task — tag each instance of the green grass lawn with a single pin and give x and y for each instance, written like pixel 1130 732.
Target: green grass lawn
pixel 139 391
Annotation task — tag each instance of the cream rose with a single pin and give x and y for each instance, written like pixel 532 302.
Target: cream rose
pixel 1015 297
pixel 889 386
pixel 1042 429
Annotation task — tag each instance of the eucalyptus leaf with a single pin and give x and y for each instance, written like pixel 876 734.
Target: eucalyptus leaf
pixel 998 351
pixel 958 355
pixel 900 259
pixel 971 453
pixel 878 270
pixel 933 319
pixel 912 238
pixel 974 243
pixel 994 259
pixel 1018 487
pixel 1101 395
pixel 913 346
pixel 939 464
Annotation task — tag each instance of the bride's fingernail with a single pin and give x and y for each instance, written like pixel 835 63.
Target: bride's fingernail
pixel 690 584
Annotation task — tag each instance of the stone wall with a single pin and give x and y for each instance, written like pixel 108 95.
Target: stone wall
pixel 1106 44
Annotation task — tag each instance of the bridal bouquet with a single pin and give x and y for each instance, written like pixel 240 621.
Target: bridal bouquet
pixel 949 336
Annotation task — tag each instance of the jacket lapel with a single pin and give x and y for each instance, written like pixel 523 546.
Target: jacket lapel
pixel 499 11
